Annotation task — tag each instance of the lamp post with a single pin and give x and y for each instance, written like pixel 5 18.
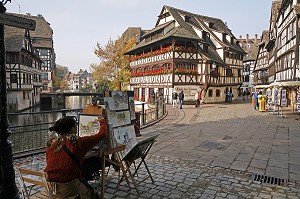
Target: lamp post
pixel 8 188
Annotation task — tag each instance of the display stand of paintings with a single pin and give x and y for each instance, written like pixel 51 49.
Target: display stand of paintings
pixel 88 125
pixel 120 114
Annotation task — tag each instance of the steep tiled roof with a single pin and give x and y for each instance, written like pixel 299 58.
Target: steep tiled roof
pixel 264 37
pixel 176 32
pixel 275 10
pixel 135 32
pixel 251 52
pixel 13 38
pixel 43 34
pixel 185 30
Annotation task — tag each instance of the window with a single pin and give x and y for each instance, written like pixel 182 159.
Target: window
pixel 45 76
pixel 44 64
pixel 218 93
pixel 13 78
pixel 210 93
pixel 43 52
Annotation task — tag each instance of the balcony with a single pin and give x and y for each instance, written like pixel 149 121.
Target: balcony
pixel 215 73
pixel 159 55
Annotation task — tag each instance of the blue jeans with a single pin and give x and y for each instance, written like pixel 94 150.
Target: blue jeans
pixel 180 101
pixel 255 103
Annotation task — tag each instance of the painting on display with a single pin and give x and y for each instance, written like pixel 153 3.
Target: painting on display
pixel 109 103
pixel 120 99
pixel 125 135
pixel 121 118
pixel 88 125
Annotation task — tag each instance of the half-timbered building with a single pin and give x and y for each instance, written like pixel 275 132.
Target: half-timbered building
pixel 42 40
pixel 189 52
pixel 261 68
pixel 281 49
pixel 250 46
pixel 23 70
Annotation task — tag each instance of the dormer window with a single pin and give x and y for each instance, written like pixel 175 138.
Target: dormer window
pixel 187 18
pixel 204 34
pixel 210 25
pixel 224 37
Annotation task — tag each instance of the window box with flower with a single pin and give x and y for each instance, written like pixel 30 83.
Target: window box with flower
pixel 163 50
pixel 149 73
pixel 143 98
pixel 183 71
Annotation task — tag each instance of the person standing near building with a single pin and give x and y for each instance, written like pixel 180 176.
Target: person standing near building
pixel 181 98
pixel 198 98
pixel 174 99
pixel 247 93
pixel 255 97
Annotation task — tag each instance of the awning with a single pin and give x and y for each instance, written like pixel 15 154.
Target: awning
pixel 262 86
pixel 286 84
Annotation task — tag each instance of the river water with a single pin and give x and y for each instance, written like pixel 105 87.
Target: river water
pixel 72 102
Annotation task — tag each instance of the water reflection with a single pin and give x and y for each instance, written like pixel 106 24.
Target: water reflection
pixel 72 102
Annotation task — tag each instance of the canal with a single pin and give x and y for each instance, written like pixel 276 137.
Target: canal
pixel 25 118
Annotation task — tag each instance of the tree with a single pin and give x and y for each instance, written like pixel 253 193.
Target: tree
pixel 61 71
pixel 56 81
pixel 114 65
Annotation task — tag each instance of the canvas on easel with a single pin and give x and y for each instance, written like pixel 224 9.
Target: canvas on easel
pixel 88 124
pixel 120 113
pixel 125 135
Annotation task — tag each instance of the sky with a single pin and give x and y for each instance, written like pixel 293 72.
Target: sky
pixel 79 25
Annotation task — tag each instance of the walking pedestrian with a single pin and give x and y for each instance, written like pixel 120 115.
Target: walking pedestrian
pixel 181 98
pixel 174 99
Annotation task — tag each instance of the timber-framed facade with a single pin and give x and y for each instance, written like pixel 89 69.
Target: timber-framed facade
pixel 23 70
pixel 189 52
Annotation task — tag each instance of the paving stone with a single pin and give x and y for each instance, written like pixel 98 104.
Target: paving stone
pixel 214 175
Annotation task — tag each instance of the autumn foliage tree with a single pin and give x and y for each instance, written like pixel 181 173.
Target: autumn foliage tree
pixel 114 65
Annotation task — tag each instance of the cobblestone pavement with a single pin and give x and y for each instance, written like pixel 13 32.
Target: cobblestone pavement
pixel 214 152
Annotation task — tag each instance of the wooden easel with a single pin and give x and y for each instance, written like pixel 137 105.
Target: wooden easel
pixel 104 152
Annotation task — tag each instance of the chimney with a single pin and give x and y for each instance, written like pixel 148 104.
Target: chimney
pixel 247 38
pixel 255 38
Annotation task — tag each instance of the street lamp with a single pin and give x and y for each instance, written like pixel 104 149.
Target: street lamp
pixel 8 188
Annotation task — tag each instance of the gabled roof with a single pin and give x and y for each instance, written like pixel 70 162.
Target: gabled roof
pixel 42 36
pixel 251 53
pixel 176 32
pixel 185 29
pixel 13 38
pixel 265 37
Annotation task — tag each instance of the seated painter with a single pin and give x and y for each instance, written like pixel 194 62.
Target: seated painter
pixel 65 155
